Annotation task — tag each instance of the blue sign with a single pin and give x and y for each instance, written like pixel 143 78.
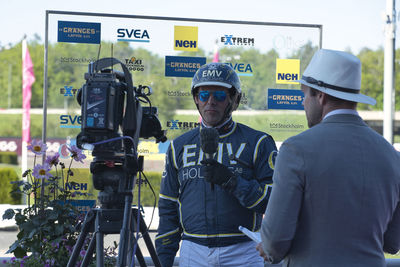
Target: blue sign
pixel 79 32
pixel 182 66
pixel 82 205
pixel 285 99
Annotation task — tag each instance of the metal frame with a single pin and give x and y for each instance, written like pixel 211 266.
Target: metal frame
pixel 49 12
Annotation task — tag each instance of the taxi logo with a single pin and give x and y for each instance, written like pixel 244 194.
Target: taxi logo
pixel 185 38
pixel 287 71
pixel 134 64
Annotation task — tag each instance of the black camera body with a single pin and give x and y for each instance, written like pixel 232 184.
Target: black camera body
pixel 113 120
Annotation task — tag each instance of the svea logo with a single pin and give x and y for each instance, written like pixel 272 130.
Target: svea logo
pixel 287 71
pixel 133 35
pixel 242 69
pixel 70 121
pixel 185 38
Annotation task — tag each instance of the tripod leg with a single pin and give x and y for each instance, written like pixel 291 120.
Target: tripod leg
pixel 99 242
pixel 89 252
pixel 146 237
pixel 87 224
pixel 148 242
pixel 140 258
pixel 125 230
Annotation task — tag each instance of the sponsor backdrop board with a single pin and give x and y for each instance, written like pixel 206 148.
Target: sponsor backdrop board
pixel 164 53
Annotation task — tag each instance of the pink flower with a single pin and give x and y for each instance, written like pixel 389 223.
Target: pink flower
pixel 37 147
pixel 41 172
pixel 76 154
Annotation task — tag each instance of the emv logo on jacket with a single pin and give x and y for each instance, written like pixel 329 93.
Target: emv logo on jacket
pixel 186 38
pixel 287 71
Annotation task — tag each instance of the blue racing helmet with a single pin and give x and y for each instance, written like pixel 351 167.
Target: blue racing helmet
pixel 218 74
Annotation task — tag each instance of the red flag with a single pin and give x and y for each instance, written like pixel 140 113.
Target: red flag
pixel 28 78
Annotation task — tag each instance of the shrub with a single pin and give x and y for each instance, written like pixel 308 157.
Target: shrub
pixel 7 175
pixel 9 158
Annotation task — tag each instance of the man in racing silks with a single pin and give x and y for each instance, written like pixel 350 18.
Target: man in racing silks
pixel 191 208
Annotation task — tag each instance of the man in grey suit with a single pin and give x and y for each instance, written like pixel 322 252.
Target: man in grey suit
pixel 336 194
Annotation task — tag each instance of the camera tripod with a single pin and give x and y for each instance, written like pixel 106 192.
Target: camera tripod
pixel 109 221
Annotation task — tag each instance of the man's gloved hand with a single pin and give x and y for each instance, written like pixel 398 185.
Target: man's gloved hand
pixel 216 173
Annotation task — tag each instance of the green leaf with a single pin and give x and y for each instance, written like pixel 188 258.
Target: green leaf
pixel 32 233
pixel 19 252
pixel 8 214
pixel 13 247
pixel 52 215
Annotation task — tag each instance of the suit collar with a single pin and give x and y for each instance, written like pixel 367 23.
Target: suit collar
pixel 344 118
pixel 341 111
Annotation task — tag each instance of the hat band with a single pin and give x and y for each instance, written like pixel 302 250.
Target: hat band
pixel 322 84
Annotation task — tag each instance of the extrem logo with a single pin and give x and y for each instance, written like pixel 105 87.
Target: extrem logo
pixel 229 39
pixel 68 91
pixel 179 125
pixel 133 35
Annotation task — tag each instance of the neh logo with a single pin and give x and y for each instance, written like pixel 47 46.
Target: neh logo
pixel 179 125
pixel 68 91
pixel 241 69
pixel 78 32
pixel 287 71
pixel 234 40
pixel 68 121
pixel 185 38
pixel 134 64
pixel 133 35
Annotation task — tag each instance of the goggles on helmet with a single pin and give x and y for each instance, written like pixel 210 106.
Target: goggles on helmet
pixel 219 96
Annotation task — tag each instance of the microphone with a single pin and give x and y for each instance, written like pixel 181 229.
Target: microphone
pixel 209 143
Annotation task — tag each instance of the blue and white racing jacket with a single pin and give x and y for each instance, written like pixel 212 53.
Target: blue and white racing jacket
pixel 188 207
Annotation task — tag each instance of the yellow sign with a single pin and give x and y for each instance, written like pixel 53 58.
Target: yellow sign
pixel 81 182
pixel 287 71
pixel 150 151
pixel 186 38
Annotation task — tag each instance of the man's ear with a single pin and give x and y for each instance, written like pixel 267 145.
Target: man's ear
pixel 322 98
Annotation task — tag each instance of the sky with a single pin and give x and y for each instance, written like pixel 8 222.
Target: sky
pixel 347 24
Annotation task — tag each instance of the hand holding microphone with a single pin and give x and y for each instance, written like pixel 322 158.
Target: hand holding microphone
pixel 214 172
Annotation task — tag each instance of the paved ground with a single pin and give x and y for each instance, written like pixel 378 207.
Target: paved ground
pixel 7 237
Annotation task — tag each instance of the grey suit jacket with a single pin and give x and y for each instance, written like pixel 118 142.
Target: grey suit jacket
pixel 335 199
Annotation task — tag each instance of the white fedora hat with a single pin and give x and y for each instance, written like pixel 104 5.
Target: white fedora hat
pixel 336 73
